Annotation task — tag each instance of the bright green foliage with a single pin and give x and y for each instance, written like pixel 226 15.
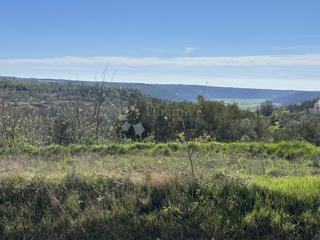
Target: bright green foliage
pixel 172 158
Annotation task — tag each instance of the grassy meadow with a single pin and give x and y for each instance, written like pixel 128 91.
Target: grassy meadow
pixel 146 191
pixel 131 160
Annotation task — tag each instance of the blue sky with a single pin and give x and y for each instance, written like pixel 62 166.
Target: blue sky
pixel 240 43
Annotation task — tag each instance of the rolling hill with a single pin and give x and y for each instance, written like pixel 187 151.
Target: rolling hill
pixel 179 92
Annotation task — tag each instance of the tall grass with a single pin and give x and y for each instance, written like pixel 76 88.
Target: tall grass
pixel 255 158
pixel 220 207
pixel 285 149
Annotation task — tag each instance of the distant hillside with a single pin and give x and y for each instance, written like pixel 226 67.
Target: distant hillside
pixel 179 92
pixel 57 93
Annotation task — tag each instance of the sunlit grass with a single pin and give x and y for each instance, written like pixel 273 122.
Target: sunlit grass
pixel 256 158
pixel 299 187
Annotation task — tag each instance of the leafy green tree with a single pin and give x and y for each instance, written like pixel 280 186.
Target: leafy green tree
pixel 266 108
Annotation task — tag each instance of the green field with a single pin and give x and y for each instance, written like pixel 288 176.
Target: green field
pixel 134 159
pixel 246 103
pixel 146 191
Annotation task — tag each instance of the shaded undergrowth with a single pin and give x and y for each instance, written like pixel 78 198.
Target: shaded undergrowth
pixel 220 207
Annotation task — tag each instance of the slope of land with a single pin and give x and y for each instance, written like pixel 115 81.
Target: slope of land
pixel 179 92
pixel 146 191
pixel 92 187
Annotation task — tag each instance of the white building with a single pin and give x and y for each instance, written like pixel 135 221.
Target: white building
pixel 316 107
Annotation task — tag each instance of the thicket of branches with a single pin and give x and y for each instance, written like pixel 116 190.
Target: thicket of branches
pixel 60 113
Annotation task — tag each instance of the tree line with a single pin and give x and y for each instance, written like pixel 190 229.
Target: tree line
pixel 42 114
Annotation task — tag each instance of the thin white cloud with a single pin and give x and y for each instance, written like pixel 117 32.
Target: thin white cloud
pixel 190 50
pixel 241 61
pixel 277 71
pixel 298 48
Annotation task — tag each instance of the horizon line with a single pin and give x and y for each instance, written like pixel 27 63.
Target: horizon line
pixel 170 84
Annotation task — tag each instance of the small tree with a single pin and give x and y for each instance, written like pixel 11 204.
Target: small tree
pixel 266 108
pixel 11 117
pixel 192 149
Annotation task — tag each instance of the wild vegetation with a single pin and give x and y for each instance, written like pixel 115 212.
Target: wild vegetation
pixel 198 170
pixel 148 190
pixel 172 158
pixel 56 113
pixel 222 207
